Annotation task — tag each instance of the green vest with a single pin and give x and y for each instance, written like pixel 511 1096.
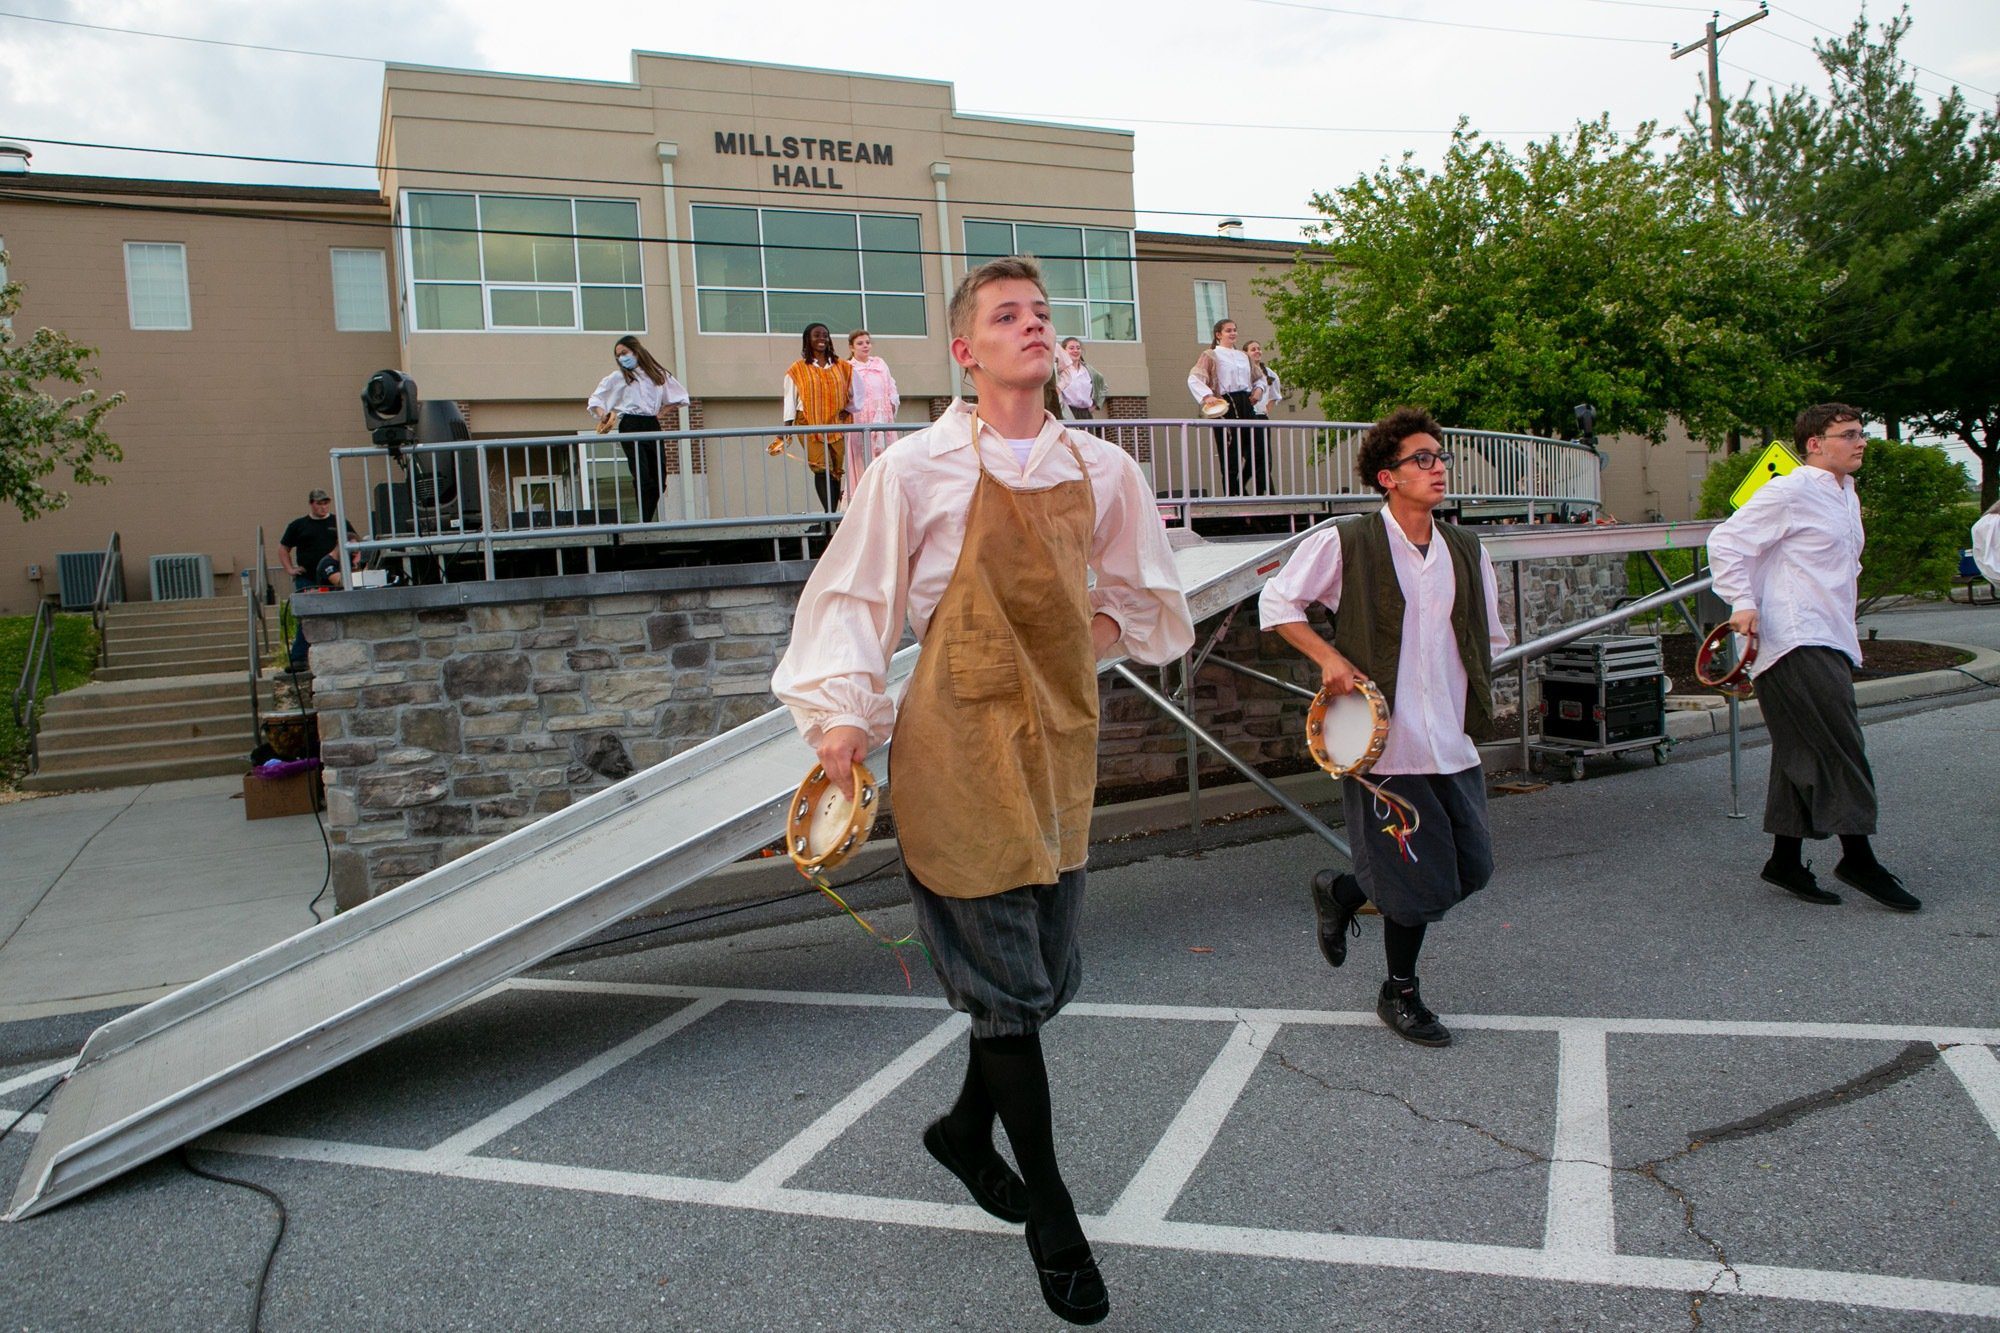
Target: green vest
pixel 1368 629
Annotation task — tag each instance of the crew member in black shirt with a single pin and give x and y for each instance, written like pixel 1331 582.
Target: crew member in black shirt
pixel 309 539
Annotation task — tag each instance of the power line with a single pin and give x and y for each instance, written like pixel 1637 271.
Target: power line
pixel 390 224
pixel 1449 23
pixel 183 37
pixel 1934 92
pixel 643 184
pixel 1912 64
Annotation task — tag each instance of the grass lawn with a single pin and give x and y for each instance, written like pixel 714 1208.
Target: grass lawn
pixel 71 660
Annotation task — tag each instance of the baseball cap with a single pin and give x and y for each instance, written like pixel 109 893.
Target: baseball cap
pixel 316 494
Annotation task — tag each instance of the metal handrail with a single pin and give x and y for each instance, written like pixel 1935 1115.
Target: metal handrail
pixel 562 490
pixel 27 695
pixel 256 645
pixel 113 552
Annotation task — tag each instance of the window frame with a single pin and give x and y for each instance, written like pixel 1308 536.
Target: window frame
pixel 764 291
pixel 187 292
pixel 1083 258
pixel 388 301
pixel 1206 331
pixel 407 289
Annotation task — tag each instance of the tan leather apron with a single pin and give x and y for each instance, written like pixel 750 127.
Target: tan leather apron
pixel 995 759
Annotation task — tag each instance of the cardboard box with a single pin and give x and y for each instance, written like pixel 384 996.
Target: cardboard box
pixel 272 798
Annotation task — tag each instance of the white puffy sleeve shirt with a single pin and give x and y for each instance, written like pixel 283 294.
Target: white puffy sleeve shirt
pixel 894 552
pixel 1986 547
pixel 640 398
pixel 1793 555
pixel 1427 727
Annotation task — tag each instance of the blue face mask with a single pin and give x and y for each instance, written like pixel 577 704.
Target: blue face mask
pixel 627 360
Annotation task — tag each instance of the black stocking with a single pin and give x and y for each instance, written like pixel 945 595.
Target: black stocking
pixel 1401 943
pixel 1017 1082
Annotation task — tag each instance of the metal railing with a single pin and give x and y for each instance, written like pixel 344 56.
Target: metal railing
pixel 257 633
pixel 27 694
pixel 579 493
pixel 114 551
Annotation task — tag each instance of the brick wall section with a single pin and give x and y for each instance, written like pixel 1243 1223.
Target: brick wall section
pixel 443 728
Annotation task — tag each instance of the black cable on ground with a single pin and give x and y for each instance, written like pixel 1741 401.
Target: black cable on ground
pixel 725 911
pixel 46 1094
pixel 270 1255
pixel 1976 680
pixel 312 787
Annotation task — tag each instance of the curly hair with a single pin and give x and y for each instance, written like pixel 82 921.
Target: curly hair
pixel 1384 441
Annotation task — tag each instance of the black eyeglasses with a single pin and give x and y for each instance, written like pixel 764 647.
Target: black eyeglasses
pixel 1425 459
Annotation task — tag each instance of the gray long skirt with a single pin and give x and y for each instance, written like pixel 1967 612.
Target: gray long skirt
pixel 1453 845
pixel 1821 784
pixel 1009 961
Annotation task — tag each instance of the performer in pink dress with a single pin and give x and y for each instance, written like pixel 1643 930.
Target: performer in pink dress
pixel 874 399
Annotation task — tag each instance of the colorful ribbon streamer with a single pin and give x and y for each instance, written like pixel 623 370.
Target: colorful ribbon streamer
pixel 894 946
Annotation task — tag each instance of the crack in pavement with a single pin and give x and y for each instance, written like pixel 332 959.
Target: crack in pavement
pixel 1913 1059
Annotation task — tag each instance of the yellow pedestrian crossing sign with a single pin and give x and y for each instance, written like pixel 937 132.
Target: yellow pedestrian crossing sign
pixel 1775 461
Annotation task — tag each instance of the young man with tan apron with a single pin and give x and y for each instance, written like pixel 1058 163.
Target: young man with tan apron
pixel 985 530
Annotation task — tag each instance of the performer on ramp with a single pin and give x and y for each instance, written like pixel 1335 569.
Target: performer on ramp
pixel 1788 563
pixel 984 530
pixel 1418 614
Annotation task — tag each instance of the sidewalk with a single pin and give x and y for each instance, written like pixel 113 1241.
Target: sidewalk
pixel 114 898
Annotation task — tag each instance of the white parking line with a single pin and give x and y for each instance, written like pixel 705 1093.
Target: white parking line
pixel 1151 1193
pixel 1580 1214
pixel 1979 1072
pixel 42 1075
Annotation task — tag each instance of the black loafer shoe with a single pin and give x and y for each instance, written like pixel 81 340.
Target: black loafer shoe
pixel 993 1186
pixel 1797 881
pixel 1334 920
pixel 1070 1282
pixel 1878 884
pixel 1402 1008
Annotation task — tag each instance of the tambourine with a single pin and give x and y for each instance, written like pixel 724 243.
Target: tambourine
pixel 1213 406
pixel 778 446
pixel 1735 680
pixel 824 825
pixel 1346 732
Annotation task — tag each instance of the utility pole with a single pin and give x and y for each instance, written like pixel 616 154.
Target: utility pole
pixel 1714 44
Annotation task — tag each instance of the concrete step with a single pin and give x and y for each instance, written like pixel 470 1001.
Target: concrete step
pixel 186 606
pixel 228 686
pixel 134 726
pixel 69 759
pixel 222 654
pixel 152 637
pixel 204 666
pixel 136 775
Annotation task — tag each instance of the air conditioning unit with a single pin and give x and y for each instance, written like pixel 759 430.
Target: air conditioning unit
pixel 77 571
pixel 178 578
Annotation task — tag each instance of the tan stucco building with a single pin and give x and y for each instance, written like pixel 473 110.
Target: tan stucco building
pixel 713 208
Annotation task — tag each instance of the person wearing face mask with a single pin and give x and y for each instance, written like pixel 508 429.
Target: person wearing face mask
pixel 1224 372
pixel 874 399
pixel 984 530
pixel 1081 387
pixel 818 387
pixel 629 400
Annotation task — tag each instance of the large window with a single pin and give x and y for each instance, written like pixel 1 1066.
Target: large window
pixel 1211 303
pixel 520 262
pixel 776 270
pixel 360 291
pixel 156 285
pixel 1093 292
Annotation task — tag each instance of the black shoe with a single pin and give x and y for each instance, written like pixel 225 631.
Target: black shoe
pixel 1070 1282
pixel 1877 883
pixel 1402 1008
pixel 993 1186
pixel 1334 920
pixel 1797 881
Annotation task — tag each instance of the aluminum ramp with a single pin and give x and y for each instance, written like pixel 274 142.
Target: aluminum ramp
pixel 166 1073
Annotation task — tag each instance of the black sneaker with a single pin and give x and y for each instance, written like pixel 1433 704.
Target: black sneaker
pixel 1334 920
pixel 1877 883
pixel 1402 1008
pixel 1797 881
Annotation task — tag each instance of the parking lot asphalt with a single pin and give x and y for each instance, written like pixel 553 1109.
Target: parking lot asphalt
pixel 1678 1098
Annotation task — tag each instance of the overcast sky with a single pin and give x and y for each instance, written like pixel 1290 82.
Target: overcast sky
pixel 1331 90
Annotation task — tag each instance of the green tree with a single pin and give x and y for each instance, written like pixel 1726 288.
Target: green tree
pixel 40 432
pixel 1896 197
pixel 1915 503
pixel 1502 290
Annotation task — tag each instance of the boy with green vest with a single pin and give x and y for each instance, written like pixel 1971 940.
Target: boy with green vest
pixel 1421 619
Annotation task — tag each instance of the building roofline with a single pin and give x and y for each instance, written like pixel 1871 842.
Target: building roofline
pixel 185 189
pixel 1233 243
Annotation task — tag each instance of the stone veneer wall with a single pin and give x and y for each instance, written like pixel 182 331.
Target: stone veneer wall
pixel 451 715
